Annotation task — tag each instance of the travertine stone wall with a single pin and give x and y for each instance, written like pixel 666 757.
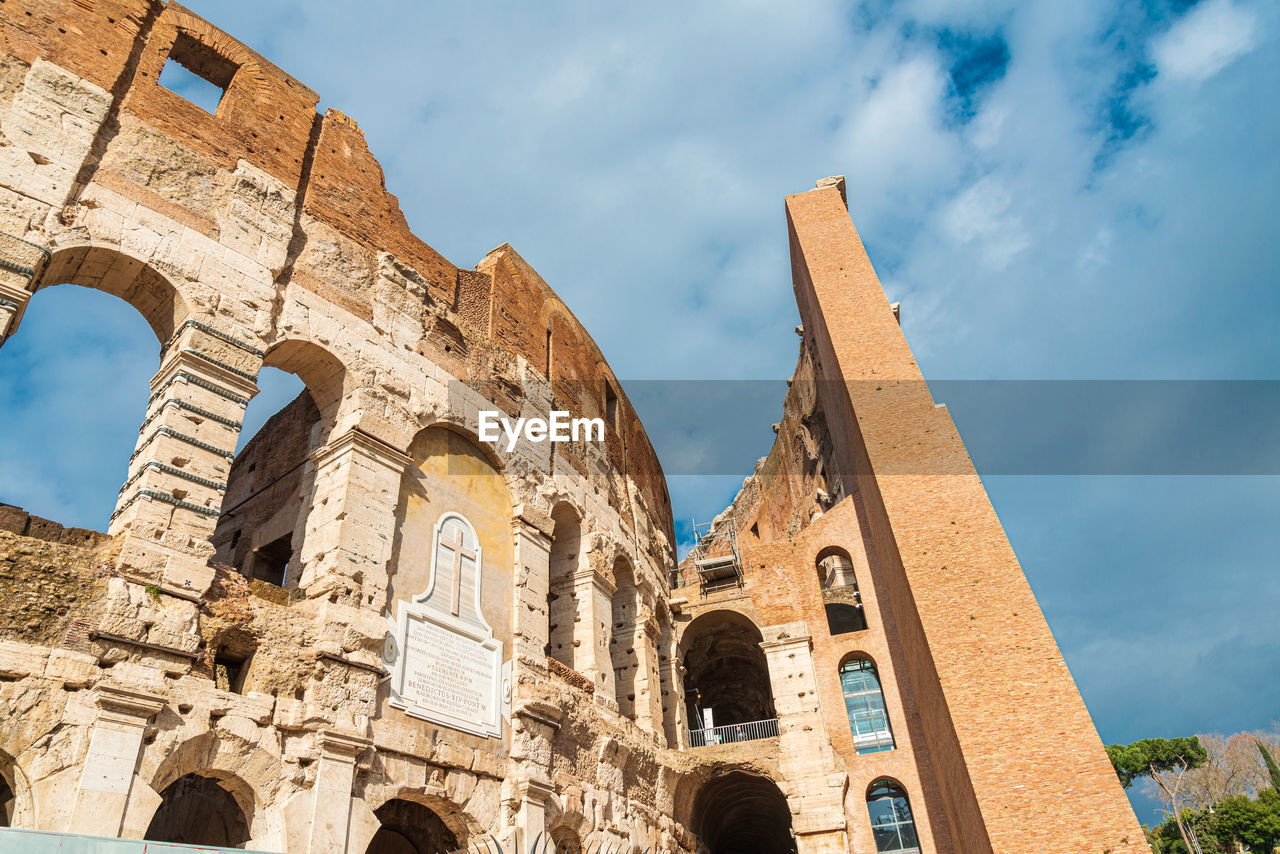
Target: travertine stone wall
pixel 263 235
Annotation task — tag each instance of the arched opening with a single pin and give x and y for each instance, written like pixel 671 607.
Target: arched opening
pixel 262 523
pixel 625 635
pixel 840 591
pixel 843 619
pixel 74 385
pixel 451 475
pixel 8 802
pixel 892 825
pixel 864 704
pixel 408 827
pixel 199 810
pixel 727 683
pixel 835 568
pixel 566 643
pixel 740 813
pixel 565 841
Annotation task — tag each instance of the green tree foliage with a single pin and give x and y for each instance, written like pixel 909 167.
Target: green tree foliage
pixel 1152 755
pixel 1253 823
pixel 1237 820
pixel 1272 768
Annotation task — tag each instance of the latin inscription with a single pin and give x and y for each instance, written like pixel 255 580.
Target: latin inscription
pixel 446 671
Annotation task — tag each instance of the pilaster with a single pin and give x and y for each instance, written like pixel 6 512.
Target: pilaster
pixel 530 625
pixel 353 504
pixel 170 502
pixel 806 756
pixel 593 592
pixel 107 776
pixel 331 817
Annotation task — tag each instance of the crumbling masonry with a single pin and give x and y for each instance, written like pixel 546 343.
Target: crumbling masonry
pixel 214 667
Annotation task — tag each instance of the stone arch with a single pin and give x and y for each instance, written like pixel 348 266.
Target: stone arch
pixel 451 471
pixel 192 484
pixel 626 633
pixel 262 525
pixel 203 809
pixel 726 669
pixel 16 807
pixel 328 379
pixel 231 762
pixel 122 274
pixel 453 818
pixel 740 811
pixel 408 826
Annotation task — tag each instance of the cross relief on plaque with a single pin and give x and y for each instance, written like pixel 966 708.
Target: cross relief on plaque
pixel 445 663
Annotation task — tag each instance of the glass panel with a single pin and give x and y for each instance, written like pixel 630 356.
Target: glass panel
pixel 864 705
pixel 892 824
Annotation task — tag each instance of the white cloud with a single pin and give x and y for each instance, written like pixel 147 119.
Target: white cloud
pixel 1204 42
pixel 981 214
pixel 896 141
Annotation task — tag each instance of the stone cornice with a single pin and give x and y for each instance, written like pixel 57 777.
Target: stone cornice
pixel 541 713
pixel 341 745
pixel 127 705
pixel 369 447
pixel 780 644
pixel 184 361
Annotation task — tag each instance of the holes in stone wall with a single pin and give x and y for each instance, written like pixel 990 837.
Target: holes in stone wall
pixel 234 652
pixel 196 72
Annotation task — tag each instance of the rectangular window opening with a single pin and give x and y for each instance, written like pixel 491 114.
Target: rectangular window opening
pixel 611 407
pixel 271 562
pixel 197 73
pixel 229 670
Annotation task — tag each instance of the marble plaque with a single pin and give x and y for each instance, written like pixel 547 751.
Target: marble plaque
pixel 445 663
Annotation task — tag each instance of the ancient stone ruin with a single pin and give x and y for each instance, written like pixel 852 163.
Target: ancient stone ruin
pixel 371 632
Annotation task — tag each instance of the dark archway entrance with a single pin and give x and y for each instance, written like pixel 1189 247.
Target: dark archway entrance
pixel 7 803
pixel 196 810
pixel 740 813
pixel 410 828
pixel 726 671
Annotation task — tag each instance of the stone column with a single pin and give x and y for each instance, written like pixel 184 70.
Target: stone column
pixel 806 757
pixel 530 623
pixel 593 593
pixel 169 505
pixel 107 776
pixel 352 518
pixel 331 817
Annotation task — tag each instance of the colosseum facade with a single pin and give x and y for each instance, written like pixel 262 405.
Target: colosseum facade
pixel 369 631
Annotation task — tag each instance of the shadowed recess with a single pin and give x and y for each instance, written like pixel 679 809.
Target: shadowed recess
pixel 742 813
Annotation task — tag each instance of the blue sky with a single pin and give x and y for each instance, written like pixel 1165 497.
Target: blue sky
pixel 1081 191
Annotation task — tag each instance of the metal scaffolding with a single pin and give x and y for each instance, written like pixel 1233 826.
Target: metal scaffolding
pixel 715 557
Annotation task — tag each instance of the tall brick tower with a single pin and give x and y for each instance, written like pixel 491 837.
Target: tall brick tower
pixel 1004 751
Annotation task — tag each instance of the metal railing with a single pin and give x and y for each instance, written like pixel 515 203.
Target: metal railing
pixel 733 733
